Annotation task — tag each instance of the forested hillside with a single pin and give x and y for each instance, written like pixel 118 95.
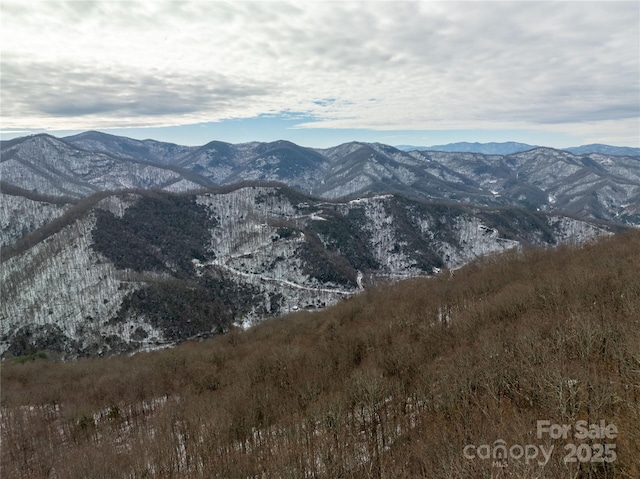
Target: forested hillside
pixel 409 380
pixel 121 272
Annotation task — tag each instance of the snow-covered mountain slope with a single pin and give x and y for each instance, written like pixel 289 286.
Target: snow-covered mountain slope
pixel 149 150
pixel 224 163
pixel 47 165
pixel 592 186
pixel 20 216
pixel 142 269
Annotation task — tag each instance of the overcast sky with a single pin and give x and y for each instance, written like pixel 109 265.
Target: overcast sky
pixel 321 73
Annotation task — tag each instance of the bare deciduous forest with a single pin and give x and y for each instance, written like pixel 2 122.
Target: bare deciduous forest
pixel 392 383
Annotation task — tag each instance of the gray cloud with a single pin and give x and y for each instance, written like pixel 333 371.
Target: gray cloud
pixel 78 90
pixel 429 65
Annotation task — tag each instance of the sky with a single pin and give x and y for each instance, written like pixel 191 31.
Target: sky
pixel 323 73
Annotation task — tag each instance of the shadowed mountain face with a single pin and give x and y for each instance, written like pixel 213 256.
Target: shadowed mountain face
pixel 588 185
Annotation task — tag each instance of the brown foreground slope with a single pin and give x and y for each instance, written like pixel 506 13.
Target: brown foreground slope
pixel 425 378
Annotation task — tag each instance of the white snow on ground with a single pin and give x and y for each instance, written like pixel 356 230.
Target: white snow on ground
pixel 570 231
pixel 62 282
pixel 247 245
pixel 20 215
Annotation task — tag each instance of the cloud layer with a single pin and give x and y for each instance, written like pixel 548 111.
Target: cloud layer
pixel 569 66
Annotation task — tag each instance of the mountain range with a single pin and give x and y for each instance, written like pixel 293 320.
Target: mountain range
pixel 111 244
pixel 594 185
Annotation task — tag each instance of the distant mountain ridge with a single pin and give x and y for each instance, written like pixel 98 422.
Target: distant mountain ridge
pixel 505 148
pixel 596 186
pixel 151 150
pixel 510 147
pixel 604 150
